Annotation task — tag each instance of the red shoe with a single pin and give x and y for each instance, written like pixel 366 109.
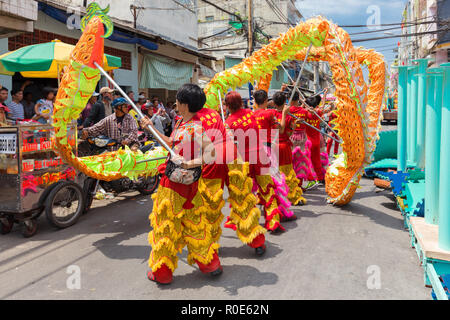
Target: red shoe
pixel 258 241
pixel 163 275
pixel 229 224
pixel 213 268
pixel 258 244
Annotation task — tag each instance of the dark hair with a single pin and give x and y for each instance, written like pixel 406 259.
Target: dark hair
pixel 233 100
pixel 279 98
pixel 15 91
pixel 260 96
pixel 130 92
pixel 46 91
pixel 296 96
pixel 313 101
pixel 4 89
pixel 193 96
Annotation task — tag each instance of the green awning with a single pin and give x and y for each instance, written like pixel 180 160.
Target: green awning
pixel 161 72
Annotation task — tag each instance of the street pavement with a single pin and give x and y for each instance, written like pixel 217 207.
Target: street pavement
pixel 360 251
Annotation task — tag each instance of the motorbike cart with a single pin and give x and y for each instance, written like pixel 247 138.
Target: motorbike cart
pixel 97 145
pixel 34 179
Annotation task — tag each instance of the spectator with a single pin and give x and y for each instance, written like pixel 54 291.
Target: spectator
pixel 116 95
pixel 141 101
pixel 44 107
pixel 107 98
pixel 28 105
pixel 119 126
pixel 16 108
pixel 3 95
pixel 97 112
pixel 131 95
pixel 86 111
pixel 158 119
pixel 156 102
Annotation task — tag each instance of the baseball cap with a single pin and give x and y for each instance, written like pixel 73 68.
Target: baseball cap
pixel 95 94
pixel 105 90
pixel 141 97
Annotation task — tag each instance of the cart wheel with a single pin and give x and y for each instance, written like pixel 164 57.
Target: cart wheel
pixel 64 205
pixel 88 188
pixel 29 228
pixel 148 185
pixel 6 225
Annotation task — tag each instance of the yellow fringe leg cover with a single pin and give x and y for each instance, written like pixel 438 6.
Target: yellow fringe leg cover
pixel 295 192
pixel 212 195
pixel 244 213
pixel 198 233
pixel 166 237
pixel 267 194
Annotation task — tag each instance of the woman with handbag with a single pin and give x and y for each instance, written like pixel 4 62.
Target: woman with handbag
pixel 178 217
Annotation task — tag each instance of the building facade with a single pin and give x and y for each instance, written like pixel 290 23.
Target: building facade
pixel 432 45
pixel 157 54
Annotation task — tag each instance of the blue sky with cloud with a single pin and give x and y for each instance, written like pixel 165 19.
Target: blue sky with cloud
pixel 354 12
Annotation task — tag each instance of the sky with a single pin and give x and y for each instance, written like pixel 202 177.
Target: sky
pixel 360 12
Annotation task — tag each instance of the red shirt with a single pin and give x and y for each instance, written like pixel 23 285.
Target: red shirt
pixel 284 137
pixel 301 113
pixel 216 131
pixel 265 120
pixel 313 120
pixel 243 120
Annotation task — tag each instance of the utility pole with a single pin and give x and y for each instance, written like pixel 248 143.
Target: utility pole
pixel 316 77
pixel 250 26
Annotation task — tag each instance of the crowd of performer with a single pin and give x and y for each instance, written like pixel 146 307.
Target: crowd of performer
pixel 267 156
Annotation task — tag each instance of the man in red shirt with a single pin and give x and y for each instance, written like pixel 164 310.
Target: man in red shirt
pixel 301 154
pixel 223 171
pixel 245 129
pixel 287 124
pixel 313 135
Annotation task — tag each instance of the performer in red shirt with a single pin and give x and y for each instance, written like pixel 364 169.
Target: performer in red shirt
pixel 244 126
pixel 226 170
pixel 286 125
pixel 314 136
pixel 301 153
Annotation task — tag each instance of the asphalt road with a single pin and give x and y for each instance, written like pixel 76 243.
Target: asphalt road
pixel 328 253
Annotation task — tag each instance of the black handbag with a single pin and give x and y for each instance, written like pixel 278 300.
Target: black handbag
pixel 177 174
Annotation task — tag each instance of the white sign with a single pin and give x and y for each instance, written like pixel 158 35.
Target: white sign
pixel 8 143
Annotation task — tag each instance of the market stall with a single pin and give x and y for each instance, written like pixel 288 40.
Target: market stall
pixel 35 180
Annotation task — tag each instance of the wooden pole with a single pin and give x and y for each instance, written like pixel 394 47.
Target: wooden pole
pixel 250 26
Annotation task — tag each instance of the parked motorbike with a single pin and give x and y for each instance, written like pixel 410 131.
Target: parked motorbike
pixel 101 144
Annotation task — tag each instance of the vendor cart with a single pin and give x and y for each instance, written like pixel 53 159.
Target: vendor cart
pixel 34 179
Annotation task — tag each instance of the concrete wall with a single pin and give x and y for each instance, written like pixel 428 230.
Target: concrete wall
pixel 5 81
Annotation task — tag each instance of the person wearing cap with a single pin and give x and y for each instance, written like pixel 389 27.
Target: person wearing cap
pixel 106 99
pixel 96 113
pixel 119 126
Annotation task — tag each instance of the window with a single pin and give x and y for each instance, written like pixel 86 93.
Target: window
pixel 209 18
